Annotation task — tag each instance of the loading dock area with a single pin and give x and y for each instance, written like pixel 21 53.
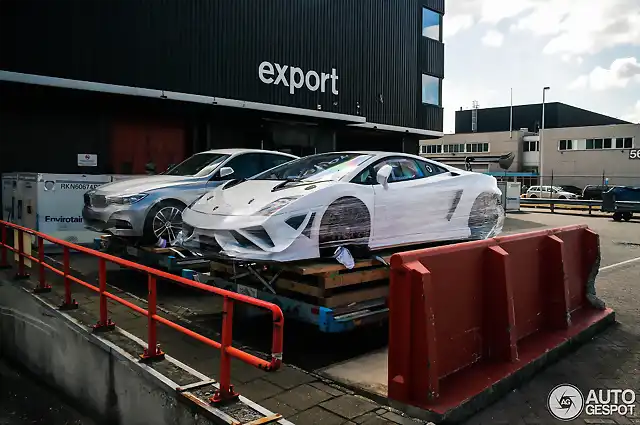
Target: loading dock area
pixel 325 375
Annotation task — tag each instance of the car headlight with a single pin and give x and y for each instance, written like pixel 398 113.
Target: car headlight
pixel 276 205
pixel 126 200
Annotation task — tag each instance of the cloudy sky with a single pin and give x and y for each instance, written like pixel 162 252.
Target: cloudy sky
pixel 587 51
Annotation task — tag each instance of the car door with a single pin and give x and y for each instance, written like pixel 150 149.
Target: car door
pixel 410 206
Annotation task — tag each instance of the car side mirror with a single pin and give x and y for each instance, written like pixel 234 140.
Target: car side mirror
pixel 226 171
pixel 382 176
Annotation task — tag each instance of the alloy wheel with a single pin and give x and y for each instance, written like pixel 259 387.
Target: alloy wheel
pixel 167 223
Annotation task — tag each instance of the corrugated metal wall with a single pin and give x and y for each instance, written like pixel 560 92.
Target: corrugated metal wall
pixel 214 47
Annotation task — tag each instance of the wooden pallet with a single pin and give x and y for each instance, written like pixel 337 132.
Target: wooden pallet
pixel 321 282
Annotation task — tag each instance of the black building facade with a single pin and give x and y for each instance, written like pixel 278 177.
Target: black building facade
pixel 556 115
pixel 302 75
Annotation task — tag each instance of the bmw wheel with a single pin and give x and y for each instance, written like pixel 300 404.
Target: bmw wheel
pixel 164 221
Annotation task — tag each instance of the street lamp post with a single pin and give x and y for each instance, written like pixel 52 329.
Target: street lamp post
pixel 541 136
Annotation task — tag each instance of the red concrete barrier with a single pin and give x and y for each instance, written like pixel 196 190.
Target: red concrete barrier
pixel 464 317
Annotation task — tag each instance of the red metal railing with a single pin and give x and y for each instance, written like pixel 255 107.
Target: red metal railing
pixel 152 352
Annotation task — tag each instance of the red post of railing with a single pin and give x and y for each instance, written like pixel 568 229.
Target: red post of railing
pixel 4 263
pixel 22 274
pixel 153 351
pixel 42 286
pixel 225 393
pixel 69 303
pixel 105 323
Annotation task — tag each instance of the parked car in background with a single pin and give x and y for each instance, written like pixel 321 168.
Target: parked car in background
pixel 550 192
pixel 362 201
pixel 148 208
pixel 571 189
pixel 594 192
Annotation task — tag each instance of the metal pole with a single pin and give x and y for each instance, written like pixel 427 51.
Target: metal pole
pixel 43 286
pixel 4 264
pixel 153 351
pixel 105 323
pixel 511 117
pixel 540 139
pixel 69 303
pixel 225 392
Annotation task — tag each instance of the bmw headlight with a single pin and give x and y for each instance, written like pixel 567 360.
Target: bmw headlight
pixel 276 205
pixel 126 200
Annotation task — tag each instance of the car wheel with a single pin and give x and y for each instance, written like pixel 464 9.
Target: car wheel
pixel 163 221
pixel 617 216
pixel 627 216
pixel 486 213
pixel 347 223
pixel 532 196
pixel 562 197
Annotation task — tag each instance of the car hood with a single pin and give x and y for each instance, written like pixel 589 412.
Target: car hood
pixel 143 184
pixel 250 196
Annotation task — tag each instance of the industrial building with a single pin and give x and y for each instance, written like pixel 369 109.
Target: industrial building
pixel 130 83
pixel 579 147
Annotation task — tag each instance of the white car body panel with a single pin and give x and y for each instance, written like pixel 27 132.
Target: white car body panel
pixel 427 209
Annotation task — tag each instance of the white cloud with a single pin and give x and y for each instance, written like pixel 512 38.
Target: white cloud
pixel 573 27
pixel 571 59
pixel 634 115
pixel 455 24
pixel 622 72
pixel 493 38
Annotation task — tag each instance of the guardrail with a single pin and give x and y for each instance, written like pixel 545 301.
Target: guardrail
pixel 153 351
pixel 586 203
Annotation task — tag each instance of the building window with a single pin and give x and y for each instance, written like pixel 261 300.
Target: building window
pixel 477 147
pixel 423 149
pixel 530 147
pixel 430 90
pixel 596 144
pixel 465 148
pixel 564 145
pixel 624 143
pixel 431 23
pixel 432 149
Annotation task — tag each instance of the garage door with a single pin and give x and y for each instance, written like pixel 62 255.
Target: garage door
pixel 133 145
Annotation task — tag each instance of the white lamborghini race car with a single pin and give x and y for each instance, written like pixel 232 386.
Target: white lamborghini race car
pixel 309 207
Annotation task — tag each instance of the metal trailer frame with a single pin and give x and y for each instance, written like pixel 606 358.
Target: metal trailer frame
pixel 328 320
pixel 173 262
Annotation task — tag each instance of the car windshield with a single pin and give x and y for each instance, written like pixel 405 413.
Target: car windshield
pixel 199 165
pixel 326 166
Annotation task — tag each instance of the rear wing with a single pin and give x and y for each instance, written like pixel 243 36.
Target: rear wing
pixel 504 161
